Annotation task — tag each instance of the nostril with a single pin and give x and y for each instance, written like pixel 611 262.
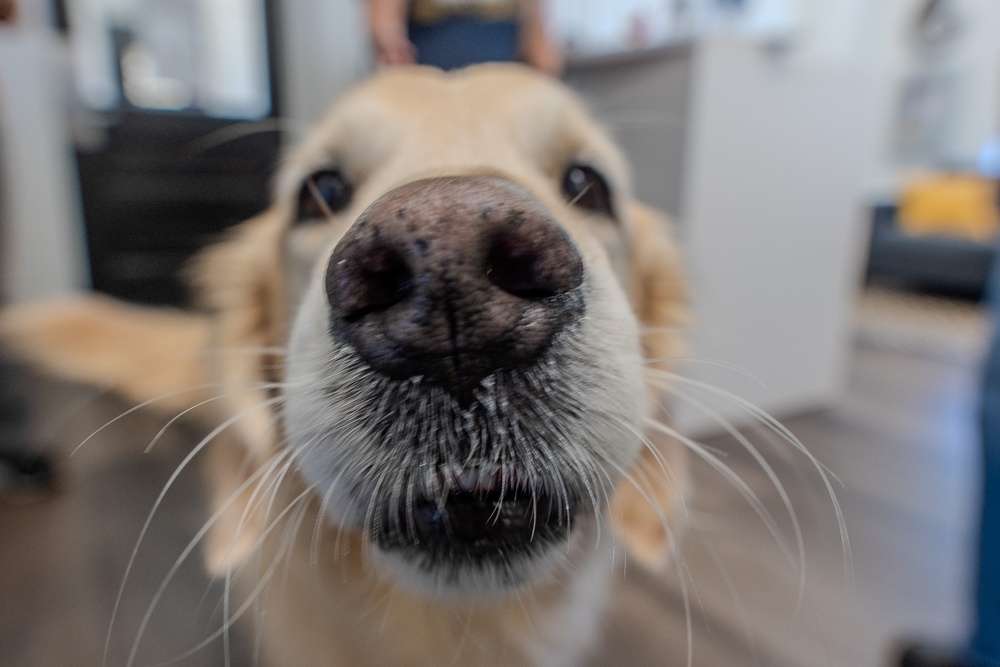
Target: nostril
pixel 513 266
pixel 368 282
pixel 533 268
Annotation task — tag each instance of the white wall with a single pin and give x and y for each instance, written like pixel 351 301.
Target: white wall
pixel 975 65
pixel 977 58
pixel 873 34
pixel 835 32
pixel 43 252
pixel 324 50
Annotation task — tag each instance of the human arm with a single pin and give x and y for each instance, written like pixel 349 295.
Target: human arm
pixel 538 48
pixel 387 28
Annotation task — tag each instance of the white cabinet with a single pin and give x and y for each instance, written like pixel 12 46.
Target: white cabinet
pixel 763 158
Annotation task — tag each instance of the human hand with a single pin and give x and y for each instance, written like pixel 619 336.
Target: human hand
pixel 387 26
pixel 8 11
pixel 544 55
pixel 395 50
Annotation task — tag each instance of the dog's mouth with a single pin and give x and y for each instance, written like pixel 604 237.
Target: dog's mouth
pixel 479 518
pixel 467 498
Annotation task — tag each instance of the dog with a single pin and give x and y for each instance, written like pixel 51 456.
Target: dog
pixel 434 369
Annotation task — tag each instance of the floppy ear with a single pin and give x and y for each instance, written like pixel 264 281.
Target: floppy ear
pixel 238 281
pixel 647 499
pixel 237 498
pixel 658 290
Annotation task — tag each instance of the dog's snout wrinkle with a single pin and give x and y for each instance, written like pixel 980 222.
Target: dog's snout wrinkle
pixel 450 299
pixel 452 279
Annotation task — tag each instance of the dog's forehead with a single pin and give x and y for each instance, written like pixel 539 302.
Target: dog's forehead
pixel 493 114
pixel 485 90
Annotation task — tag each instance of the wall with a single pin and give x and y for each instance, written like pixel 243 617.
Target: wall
pixel 324 48
pixel 974 62
pixel 42 248
pixel 872 34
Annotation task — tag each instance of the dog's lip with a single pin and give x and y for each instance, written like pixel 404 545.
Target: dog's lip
pixel 478 515
pixel 477 479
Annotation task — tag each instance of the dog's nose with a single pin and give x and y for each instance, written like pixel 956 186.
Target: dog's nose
pixel 453 279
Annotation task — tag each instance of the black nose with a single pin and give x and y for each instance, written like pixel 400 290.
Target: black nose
pixel 453 279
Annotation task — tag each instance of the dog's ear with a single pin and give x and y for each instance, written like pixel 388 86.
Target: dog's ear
pixel 235 528
pixel 648 498
pixel 248 501
pixel 658 290
pixel 238 281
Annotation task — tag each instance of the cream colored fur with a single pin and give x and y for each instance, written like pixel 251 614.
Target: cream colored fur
pixel 329 598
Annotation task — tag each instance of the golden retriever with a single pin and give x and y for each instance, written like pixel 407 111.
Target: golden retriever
pixel 432 363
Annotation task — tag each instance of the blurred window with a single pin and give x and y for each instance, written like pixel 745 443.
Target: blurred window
pixel 594 27
pixel 208 56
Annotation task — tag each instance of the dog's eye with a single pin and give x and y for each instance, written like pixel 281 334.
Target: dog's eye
pixel 586 188
pixel 324 193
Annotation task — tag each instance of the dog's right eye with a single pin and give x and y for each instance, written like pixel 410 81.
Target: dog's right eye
pixel 585 187
pixel 324 193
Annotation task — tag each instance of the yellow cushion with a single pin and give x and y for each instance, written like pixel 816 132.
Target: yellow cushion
pixel 961 205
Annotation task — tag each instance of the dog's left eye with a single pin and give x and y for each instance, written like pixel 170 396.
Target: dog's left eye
pixel 585 187
pixel 324 193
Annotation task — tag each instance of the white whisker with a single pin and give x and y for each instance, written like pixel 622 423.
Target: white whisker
pixel 782 431
pixel 140 406
pixel 229 620
pixel 173 420
pixel 176 566
pixel 145 527
pixel 741 486
pixel 771 475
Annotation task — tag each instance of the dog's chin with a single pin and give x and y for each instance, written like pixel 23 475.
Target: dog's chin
pixel 484 534
pixel 480 544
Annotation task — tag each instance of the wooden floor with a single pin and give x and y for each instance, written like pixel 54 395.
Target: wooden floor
pixel 902 445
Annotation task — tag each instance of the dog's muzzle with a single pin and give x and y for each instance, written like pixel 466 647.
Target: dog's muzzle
pixel 453 280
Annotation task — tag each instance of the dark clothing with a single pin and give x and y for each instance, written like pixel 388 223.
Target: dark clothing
pixel 457 41
pixel 986 638
pixel 450 35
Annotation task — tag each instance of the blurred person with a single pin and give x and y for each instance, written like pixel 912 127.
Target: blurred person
pixel 24 473
pixel 8 11
pixel 985 645
pixel 454 33
pixel 983 649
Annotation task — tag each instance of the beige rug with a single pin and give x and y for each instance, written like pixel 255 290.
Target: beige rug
pixel 923 325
